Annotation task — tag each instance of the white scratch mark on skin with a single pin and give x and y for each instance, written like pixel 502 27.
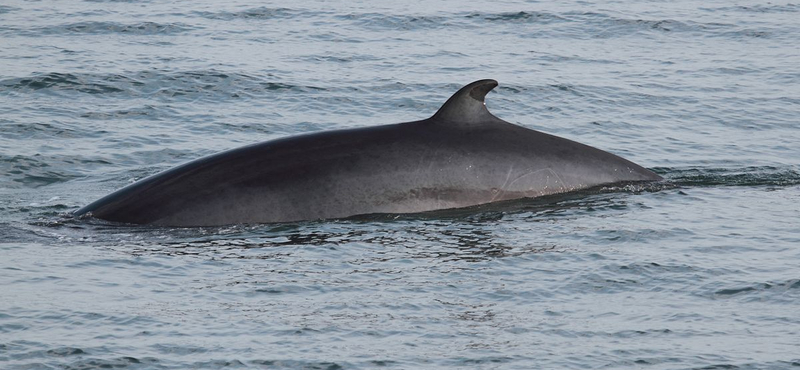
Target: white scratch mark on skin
pixel 558 178
pixel 505 183
pixel 526 174
pixel 542 190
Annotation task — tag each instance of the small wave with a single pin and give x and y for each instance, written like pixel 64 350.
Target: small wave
pixel 748 32
pixel 377 21
pixel 7 9
pixel 610 26
pixel 665 25
pixel 185 85
pixel 338 58
pixel 102 28
pixel 749 176
pixel 757 291
pixel 42 130
pixel 20 233
pixel 518 17
pixel 41 170
pixel 59 81
pixel 65 351
pixel 147 112
pixel 559 58
pixel 121 362
pixel 255 13
pixel 284 364
pixel 760 8
pixel 600 25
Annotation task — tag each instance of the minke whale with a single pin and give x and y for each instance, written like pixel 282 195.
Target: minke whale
pixel 461 156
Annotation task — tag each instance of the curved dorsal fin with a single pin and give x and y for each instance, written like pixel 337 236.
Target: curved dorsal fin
pixel 466 107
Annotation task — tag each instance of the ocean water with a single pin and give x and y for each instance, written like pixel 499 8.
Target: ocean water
pixel 701 271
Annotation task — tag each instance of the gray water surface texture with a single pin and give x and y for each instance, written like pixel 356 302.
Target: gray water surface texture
pixel 700 272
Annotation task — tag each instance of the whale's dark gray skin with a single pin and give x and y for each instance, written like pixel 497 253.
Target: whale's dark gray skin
pixel 462 156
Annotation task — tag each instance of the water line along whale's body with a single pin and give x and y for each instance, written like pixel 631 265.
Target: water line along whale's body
pixel 460 157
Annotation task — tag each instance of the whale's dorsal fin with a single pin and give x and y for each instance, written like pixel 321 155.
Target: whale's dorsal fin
pixel 466 107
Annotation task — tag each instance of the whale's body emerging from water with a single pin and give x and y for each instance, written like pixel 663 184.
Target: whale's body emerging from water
pixel 462 156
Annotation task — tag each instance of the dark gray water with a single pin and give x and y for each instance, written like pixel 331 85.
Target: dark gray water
pixel 700 272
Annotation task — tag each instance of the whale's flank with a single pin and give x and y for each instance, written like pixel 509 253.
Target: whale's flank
pixel 461 156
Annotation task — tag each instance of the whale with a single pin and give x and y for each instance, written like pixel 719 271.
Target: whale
pixel 461 156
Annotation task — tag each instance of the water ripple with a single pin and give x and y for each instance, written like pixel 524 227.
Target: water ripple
pixel 210 84
pixel 105 28
pixel 383 22
pixel 519 17
pixel 751 176
pixel 260 13
pixel 7 9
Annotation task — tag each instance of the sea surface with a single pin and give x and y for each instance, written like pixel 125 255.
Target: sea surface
pixel 701 271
